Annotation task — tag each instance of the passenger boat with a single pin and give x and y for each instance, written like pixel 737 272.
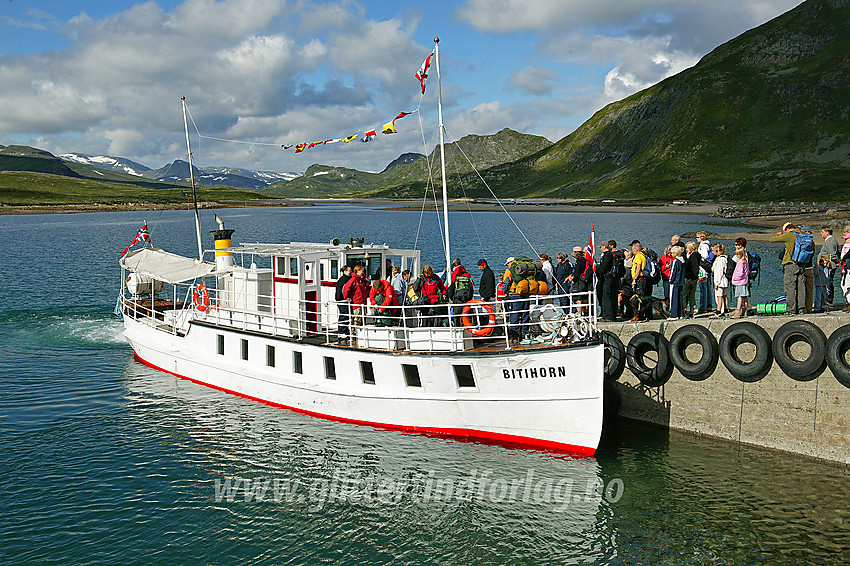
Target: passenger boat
pixel 261 321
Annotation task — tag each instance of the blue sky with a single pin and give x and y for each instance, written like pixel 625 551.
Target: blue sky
pixel 106 77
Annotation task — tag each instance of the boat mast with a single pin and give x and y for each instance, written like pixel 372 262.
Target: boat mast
pixel 192 181
pixel 443 157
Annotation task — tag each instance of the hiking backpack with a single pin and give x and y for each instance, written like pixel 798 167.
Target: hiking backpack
pixel 526 268
pixel 619 269
pixel 755 264
pixel 652 270
pixel 804 248
pixel 463 288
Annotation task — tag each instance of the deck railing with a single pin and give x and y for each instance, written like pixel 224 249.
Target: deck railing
pixel 535 321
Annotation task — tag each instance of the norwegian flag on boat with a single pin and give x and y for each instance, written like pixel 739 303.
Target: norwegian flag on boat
pixel 141 236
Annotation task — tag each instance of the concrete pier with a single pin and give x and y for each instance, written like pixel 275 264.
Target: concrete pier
pixel 810 418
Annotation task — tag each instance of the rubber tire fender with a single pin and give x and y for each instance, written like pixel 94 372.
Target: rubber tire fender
pixel 689 334
pixel 791 332
pixel 616 363
pixel 836 349
pixel 641 344
pixel 734 336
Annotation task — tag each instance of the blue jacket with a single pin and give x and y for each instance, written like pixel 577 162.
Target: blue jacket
pixel 562 271
pixel 677 273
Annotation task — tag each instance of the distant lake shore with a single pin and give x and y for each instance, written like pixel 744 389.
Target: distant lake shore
pixel 762 227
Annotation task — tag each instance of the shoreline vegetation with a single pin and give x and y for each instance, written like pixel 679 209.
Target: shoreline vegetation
pixel 762 227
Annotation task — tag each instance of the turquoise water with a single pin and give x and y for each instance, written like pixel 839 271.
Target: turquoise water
pixel 107 461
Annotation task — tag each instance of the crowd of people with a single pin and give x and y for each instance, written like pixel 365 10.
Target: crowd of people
pixel 695 277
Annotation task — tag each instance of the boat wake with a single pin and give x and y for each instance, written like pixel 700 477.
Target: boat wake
pixel 87 330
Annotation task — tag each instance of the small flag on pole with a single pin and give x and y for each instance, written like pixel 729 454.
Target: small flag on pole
pixel 141 236
pixel 422 73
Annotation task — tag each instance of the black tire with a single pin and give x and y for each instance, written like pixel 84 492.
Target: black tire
pixel 615 354
pixel 795 331
pixel 641 344
pixel 836 350
pixel 694 334
pixel 734 336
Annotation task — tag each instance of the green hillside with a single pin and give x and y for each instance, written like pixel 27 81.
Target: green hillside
pixel 762 117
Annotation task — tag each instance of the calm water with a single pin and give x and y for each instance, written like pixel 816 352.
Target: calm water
pixel 107 461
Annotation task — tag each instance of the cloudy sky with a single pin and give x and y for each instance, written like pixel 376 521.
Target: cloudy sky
pixel 100 77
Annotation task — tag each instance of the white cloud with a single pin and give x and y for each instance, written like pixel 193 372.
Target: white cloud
pixel 533 80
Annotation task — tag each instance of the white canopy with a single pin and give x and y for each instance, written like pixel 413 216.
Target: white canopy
pixel 165 266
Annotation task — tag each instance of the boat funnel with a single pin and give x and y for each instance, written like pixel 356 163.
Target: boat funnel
pixel 223 259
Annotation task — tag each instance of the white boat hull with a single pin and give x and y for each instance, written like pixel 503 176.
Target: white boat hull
pixel 547 398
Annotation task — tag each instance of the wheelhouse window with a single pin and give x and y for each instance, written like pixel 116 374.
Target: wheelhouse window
pixel 411 375
pixel 330 368
pixel 280 263
pixel 220 344
pixel 334 269
pixel 367 372
pixel 297 362
pixel 270 356
pixel 244 349
pixel 464 377
pixel 293 267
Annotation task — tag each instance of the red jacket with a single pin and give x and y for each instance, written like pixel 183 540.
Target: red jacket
pixel 390 298
pixel 666 264
pixel 457 271
pixel 356 290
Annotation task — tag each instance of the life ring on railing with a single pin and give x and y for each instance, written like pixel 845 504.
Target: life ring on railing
pixel 473 327
pixel 202 297
pixel 686 336
pixel 639 346
pixel 789 334
pixel 740 333
pixel 836 351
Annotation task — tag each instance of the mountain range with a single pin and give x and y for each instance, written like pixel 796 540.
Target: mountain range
pixel 762 117
pixel 178 172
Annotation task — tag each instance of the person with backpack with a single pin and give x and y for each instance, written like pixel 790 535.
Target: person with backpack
pixel 516 304
pixel 641 286
pixel 706 259
pixel 460 291
pixel 799 250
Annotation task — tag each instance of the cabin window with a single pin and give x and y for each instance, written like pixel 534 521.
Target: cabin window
pixel 270 356
pixel 334 269
pixel 293 267
pixel 220 344
pixel 297 362
pixel 411 375
pixel 322 271
pixel 373 263
pixel 281 266
pixel 244 349
pixel 367 372
pixel 330 368
pixel 464 377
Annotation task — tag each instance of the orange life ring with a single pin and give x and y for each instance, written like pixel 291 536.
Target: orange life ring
pixel 474 329
pixel 202 298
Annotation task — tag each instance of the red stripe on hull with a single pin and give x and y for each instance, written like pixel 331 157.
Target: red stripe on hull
pixel 508 440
